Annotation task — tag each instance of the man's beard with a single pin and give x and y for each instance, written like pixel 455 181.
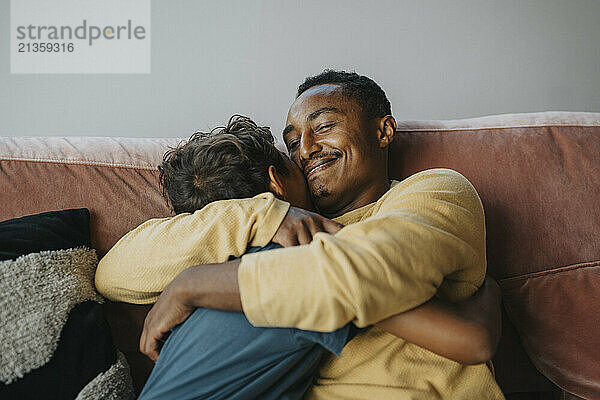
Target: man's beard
pixel 319 192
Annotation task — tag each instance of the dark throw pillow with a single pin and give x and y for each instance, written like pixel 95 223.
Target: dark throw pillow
pixel 54 230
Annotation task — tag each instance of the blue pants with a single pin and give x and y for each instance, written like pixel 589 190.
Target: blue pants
pixel 220 355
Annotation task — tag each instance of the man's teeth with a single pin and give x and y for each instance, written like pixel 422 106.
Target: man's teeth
pixel 320 165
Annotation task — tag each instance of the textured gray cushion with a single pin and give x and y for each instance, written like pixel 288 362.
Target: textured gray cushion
pixel 37 292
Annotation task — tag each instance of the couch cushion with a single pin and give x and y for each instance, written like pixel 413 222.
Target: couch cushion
pixel 557 315
pixel 537 177
pixel 54 338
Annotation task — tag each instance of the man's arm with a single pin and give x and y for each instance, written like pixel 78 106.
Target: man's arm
pixel 425 236
pixel 467 332
pixel 429 233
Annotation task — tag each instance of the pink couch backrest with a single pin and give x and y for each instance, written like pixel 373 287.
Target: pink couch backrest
pixel 115 178
pixel 537 175
pixel 539 179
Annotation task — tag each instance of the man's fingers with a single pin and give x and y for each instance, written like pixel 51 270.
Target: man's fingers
pixel 330 226
pixel 292 241
pixel 143 340
pixel 304 234
pixel 287 240
pixel 152 346
pixel 169 310
pixel 149 339
pixel 152 349
pixel 300 226
pixel 151 354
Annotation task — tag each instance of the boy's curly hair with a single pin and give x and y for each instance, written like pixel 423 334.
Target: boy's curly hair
pixel 226 163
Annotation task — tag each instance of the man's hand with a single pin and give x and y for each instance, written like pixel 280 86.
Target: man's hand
pixel 299 226
pixel 169 311
pixel 211 286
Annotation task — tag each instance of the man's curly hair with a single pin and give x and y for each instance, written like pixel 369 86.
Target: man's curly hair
pixel 226 163
pixel 363 90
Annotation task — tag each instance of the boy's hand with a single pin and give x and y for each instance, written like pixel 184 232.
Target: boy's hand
pixel 299 226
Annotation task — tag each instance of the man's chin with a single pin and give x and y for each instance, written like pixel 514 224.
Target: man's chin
pixel 318 190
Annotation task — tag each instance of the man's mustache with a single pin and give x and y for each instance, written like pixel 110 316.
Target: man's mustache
pixel 310 161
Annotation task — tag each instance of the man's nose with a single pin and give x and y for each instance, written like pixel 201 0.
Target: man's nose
pixel 308 146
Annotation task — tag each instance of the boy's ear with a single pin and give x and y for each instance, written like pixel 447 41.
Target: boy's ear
pixel 275 185
pixel 386 131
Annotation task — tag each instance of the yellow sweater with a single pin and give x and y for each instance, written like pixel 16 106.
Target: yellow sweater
pixel 425 235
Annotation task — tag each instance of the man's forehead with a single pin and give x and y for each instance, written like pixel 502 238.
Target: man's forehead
pixel 326 95
pixel 323 89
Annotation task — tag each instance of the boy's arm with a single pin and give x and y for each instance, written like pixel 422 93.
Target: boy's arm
pixel 467 332
pixel 145 260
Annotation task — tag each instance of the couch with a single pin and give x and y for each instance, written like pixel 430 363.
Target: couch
pixel 538 175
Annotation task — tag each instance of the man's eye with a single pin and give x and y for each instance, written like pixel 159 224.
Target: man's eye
pixel 324 127
pixel 292 145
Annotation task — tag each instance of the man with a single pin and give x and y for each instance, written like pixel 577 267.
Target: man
pixel 403 243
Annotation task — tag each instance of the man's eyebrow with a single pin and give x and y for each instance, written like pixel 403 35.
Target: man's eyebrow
pixel 287 130
pixel 320 111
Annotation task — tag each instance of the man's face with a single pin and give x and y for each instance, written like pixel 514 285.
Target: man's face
pixel 337 150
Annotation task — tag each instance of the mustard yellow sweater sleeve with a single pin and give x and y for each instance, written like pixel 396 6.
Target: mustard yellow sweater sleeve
pixel 426 233
pixel 145 260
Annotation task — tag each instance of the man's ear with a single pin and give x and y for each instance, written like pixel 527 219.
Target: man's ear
pixel 275 185
pixel 386 131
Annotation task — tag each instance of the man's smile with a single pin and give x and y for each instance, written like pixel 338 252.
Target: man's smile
pixel 319 165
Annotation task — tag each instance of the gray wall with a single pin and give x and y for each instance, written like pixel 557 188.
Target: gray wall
pixel 436 59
